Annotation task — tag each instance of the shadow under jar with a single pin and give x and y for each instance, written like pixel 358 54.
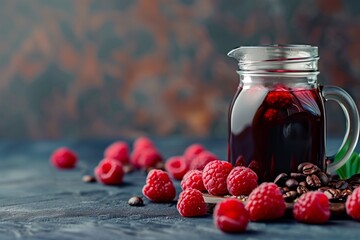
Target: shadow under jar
pixel 277 116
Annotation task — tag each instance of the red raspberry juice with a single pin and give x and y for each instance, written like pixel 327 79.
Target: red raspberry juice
pixel 272 131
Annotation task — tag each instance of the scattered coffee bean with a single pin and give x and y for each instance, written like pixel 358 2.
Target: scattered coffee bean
pixel 309 169
pixel 290 196
pixel 323 189
pixel 301 165
pixel 302 183
pixel 310 178
pixel 136 201
pixel 354 179
pixel 159 165
pixel 332 193
pixel 286 189
pixel 332 183
pixel 313 181
pixel 88 179
pixel 281 179
pixel 128 168
pixel 291 183
pixel 301 190
pixel 298 176
pixel 345 193
pixel 323 178
pixel 282 190
pixel 341 185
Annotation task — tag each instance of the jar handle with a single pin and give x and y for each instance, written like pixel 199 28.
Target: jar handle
pixel 352 123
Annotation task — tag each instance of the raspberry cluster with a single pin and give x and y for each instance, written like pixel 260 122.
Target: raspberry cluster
pixel 200 171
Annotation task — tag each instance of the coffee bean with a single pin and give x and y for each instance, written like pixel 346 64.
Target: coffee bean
pixel 286 189
pixel 281 179
pixel 88 179
pixel 332 193
pixel 136 201
pixel 290 196
pixel 282 190
pixel 332 183
pixel 128 168
pixel 302 183
pixel 298 176
pixel 355 186
pixel 345 193
pixel 301 165
pixel 341 185
pixel 323 178
pixel 301 190
pixel 291 183
pixel 313 181
pixel 354 179
pixel 309 169
pixel 323 189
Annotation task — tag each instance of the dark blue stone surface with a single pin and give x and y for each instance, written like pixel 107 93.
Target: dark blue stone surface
pixel 39 202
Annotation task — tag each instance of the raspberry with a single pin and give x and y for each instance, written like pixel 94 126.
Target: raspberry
pixel 176 166
pixel 240 161
pixel 142 143
pixel 241 181
pixel 191 203
pixel 312 207
pixel 63 158
pixel 265 203
pixel 214 177
pixel 353 204
pixel 134 160
pixel 255 166
pixel 148 158
pixel 142 146
pixel 159 187
pixel 274 115
pixel 279 99
pixel 203 158
pixel 192 151
pixel 109 172
pixel 231 216
pixel 119 151
pixel 193 179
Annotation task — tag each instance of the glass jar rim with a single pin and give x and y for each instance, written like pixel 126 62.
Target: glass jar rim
pixel 274 52
pixel 279 59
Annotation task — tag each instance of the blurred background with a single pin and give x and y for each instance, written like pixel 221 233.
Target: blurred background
pixel 104 69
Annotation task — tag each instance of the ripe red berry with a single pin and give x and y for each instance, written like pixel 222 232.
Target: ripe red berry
pixel 149 158
pixel 240 161
pixel 63 158
pixel 353 204
pixel 109 172
pixel 192 151
pixel 134 160
pixel 191 203
pixel 159 187
pixel 214 177
pixel 144 154
pixel 231 216
pixel 176 167
pixel 279 99
pixel 193 179
pixel 266 203
pixel 142 143
pixel 241 181
pixel 312 207
pixel 119 151
pixel 203 158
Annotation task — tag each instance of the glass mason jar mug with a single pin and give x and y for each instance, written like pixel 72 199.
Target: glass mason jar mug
pixel 277 116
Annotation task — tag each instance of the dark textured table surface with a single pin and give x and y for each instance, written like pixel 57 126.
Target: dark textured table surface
pixel 39 202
